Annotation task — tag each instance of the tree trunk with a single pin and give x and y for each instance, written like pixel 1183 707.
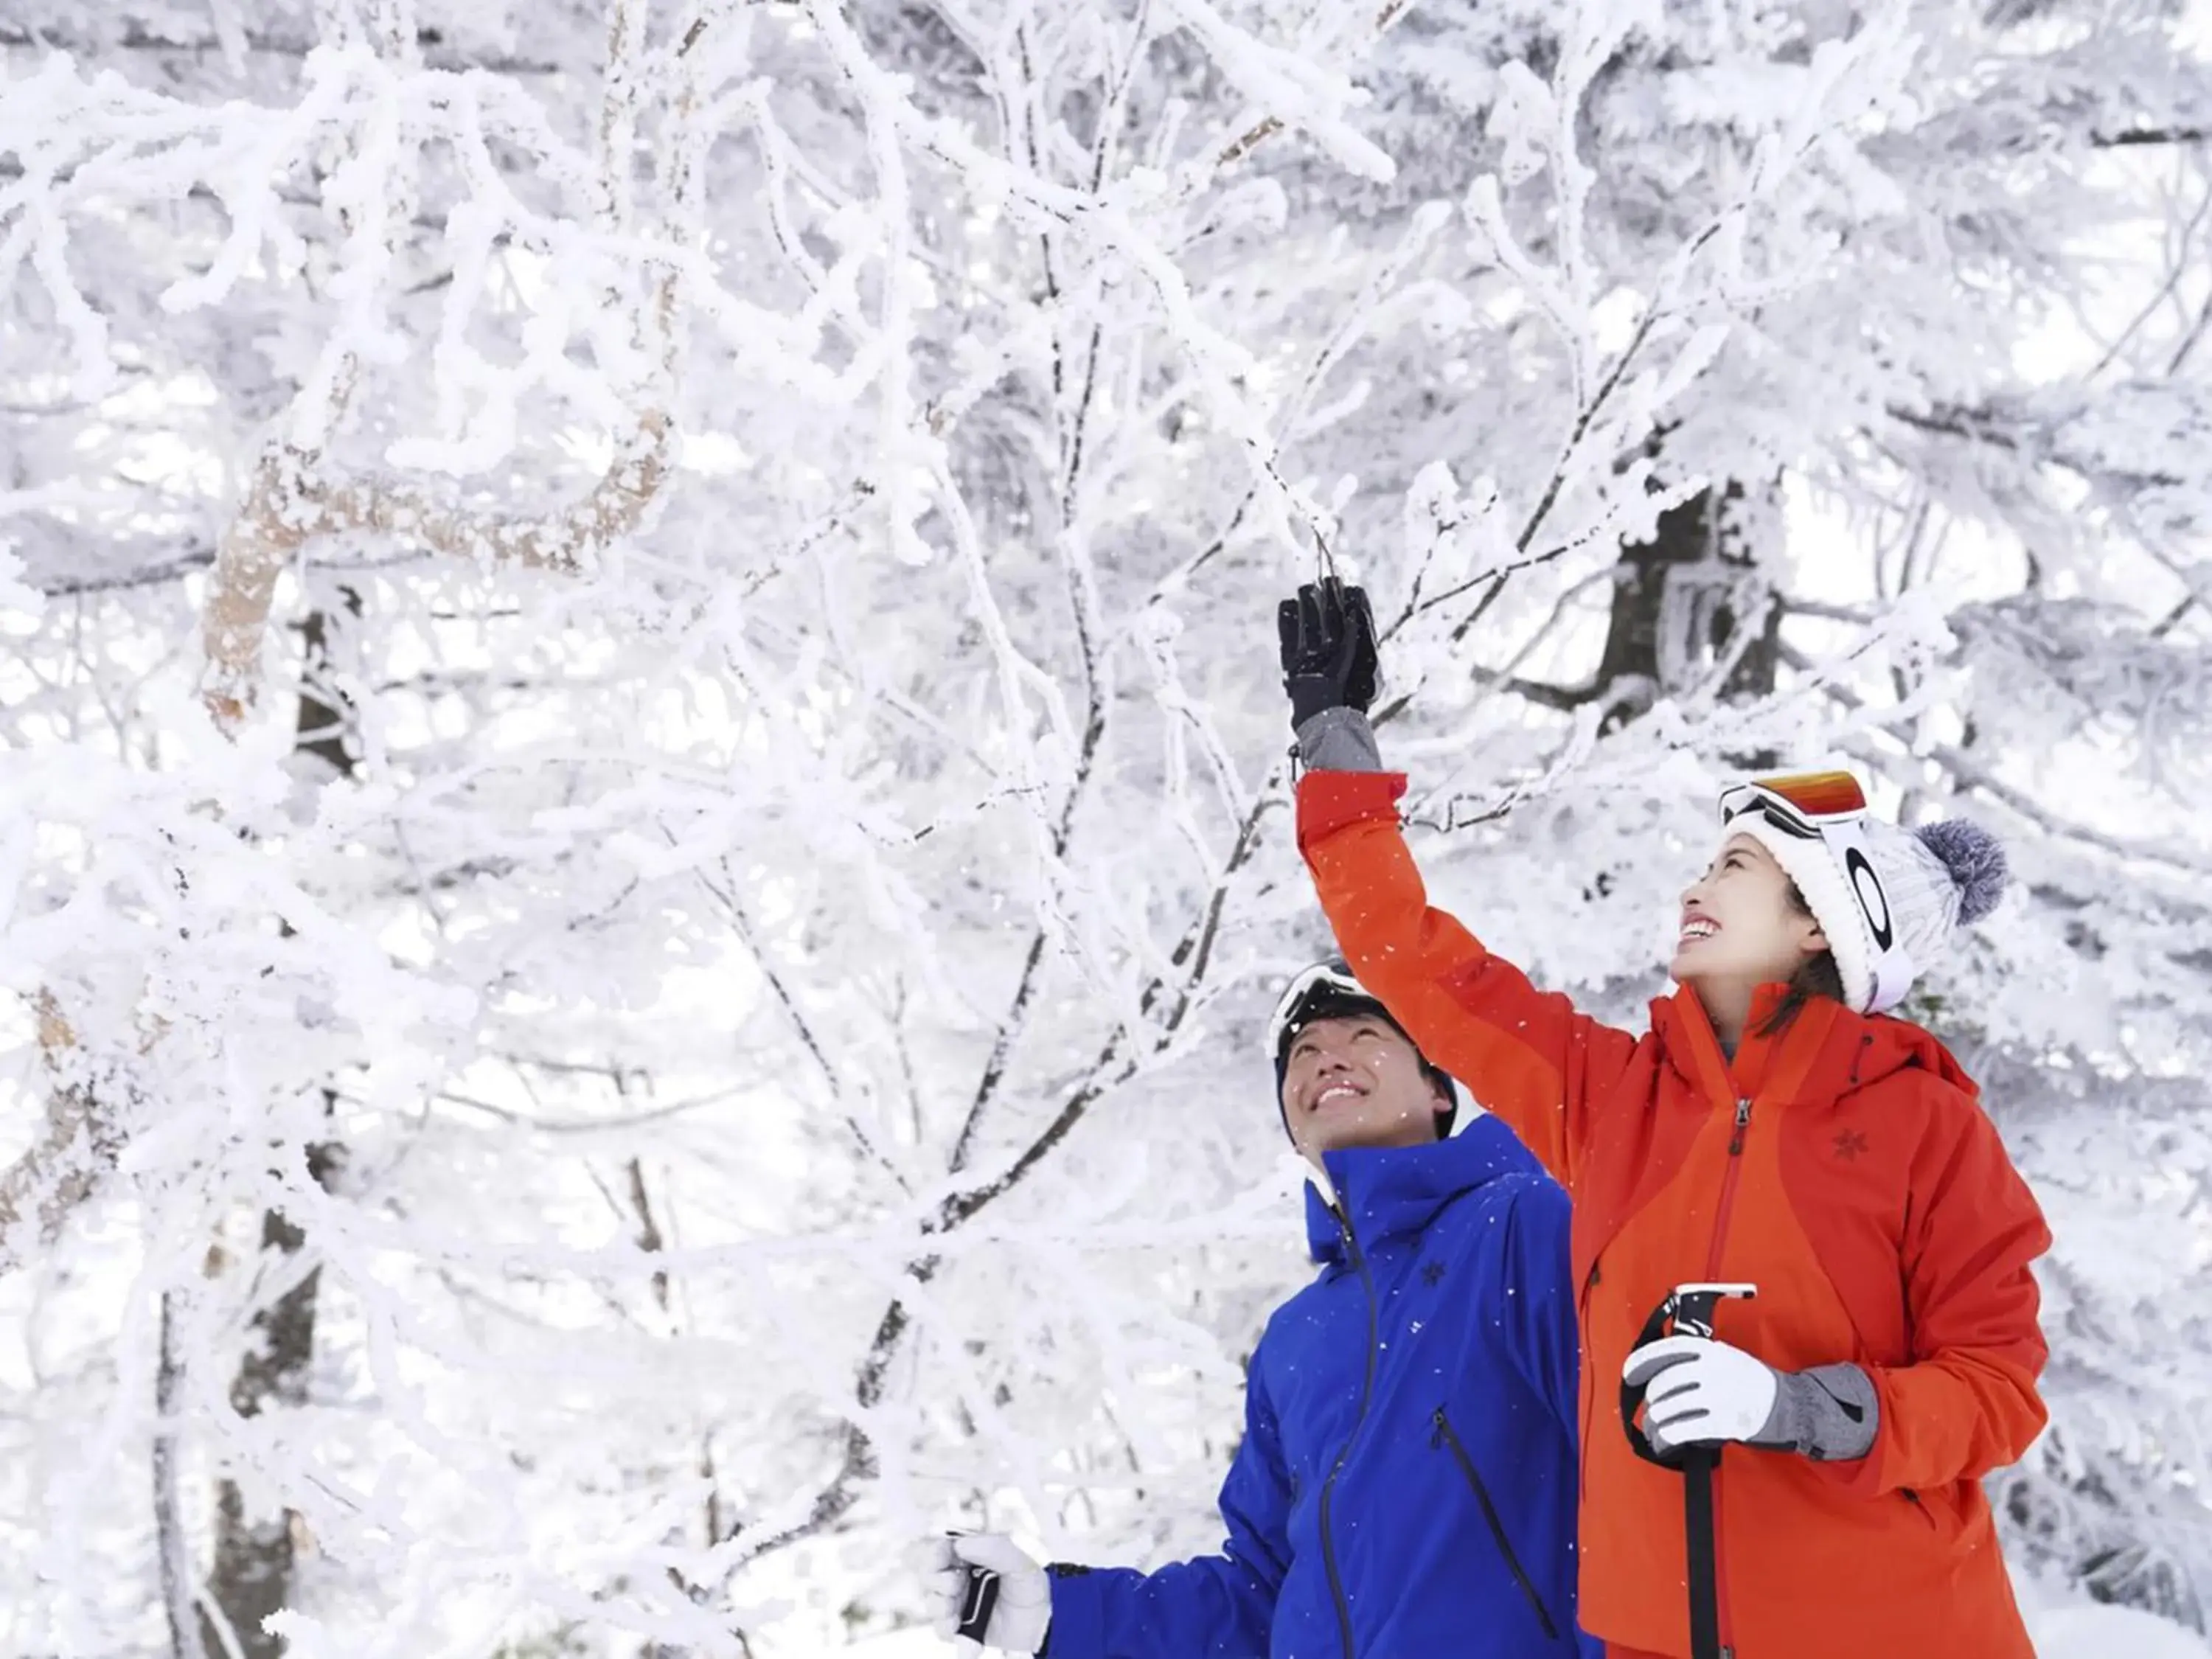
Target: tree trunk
pixel 252 1573
pixel 1693 602
pixel 186 1632
pixel 253 1570
pixel 1679 600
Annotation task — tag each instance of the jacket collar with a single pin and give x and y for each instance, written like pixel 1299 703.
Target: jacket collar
pixel 1827 1052
pixel 1393 1194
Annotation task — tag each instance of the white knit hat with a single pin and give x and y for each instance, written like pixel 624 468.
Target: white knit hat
pixel 1888 899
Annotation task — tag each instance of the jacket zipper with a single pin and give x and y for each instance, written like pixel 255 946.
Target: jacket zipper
pixel 1713 1271
pixel 1586 1385
pixel 1328 1486
pixel 1727 1186
pixel 1445 1435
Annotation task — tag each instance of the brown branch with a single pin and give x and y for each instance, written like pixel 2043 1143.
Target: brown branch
pixel 1250 142
pixel 253 1564
pixel 64 1166
pixel 857 1459
pixel 1588 416
pixel 565 541
pixel 286 505
pixel 2182 265
pixel 291 499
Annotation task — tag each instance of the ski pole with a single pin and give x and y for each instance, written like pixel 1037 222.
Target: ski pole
pixel 1688 1311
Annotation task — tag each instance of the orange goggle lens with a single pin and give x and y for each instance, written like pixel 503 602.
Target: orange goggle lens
pixel 1817 795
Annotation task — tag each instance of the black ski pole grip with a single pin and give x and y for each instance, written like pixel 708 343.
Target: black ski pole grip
pixel 1693 1306
pixel 1688 1311
pixel 977 1598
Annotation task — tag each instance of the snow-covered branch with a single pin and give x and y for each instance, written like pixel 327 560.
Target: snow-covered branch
pixel 85 1130
pixel 287 505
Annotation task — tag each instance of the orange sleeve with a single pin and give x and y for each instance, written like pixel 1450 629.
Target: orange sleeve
pixel 1527 1055
pixel 1968 1402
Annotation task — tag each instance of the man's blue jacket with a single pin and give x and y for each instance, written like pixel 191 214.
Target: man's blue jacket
pixel 1405 1487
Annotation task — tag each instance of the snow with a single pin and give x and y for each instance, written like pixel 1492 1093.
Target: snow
pixel 2100 1633
pixel 2063 1625
pixel 712 905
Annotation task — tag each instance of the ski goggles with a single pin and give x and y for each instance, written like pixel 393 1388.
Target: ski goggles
pixel 1799 804
pixel 1324 985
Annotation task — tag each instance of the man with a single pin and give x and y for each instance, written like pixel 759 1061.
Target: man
pixel 1405 1487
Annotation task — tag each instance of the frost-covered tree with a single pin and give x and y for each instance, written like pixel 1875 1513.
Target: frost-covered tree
pixel 645 825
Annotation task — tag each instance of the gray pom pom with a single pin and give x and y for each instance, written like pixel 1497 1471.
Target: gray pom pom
pixel 1976 859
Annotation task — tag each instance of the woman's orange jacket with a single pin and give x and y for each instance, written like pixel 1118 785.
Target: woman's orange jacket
pixel 1844 1167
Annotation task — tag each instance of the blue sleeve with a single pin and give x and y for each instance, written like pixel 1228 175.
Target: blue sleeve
pixel 1547 1347
pixel 1216 1607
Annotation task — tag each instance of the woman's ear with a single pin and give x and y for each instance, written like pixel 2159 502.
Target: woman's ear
pixel 1811 941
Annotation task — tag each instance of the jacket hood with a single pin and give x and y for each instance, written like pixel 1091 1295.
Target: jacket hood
pixel 1395 1192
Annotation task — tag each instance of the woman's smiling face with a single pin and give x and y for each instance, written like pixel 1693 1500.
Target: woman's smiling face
pixel 1742 922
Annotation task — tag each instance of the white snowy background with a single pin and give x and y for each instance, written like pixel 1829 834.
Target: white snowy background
pixel 643 829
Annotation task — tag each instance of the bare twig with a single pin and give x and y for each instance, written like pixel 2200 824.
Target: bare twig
pixel 742 925
pixel 176 567
pixel 1116 1062
pixel 649 1236
pixel 2182 267
pixel 2139 136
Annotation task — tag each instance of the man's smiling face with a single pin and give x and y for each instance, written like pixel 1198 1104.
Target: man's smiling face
pixel 1356 1081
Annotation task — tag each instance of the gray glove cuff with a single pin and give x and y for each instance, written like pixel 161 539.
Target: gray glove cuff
pixel 1829 1414
pixel 1339 740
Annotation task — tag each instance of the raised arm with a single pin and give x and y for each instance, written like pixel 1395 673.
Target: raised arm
pixel 1529 1056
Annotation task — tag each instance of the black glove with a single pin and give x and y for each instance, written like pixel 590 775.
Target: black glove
pixel 1329 658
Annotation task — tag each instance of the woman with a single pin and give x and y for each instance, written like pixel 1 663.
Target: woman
pixel 1776 1129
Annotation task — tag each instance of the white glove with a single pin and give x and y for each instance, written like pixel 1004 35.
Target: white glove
pixel 1700 1391
pixel 1024 1611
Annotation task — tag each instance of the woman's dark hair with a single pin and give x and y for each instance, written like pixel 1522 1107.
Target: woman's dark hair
pixel 1816 977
